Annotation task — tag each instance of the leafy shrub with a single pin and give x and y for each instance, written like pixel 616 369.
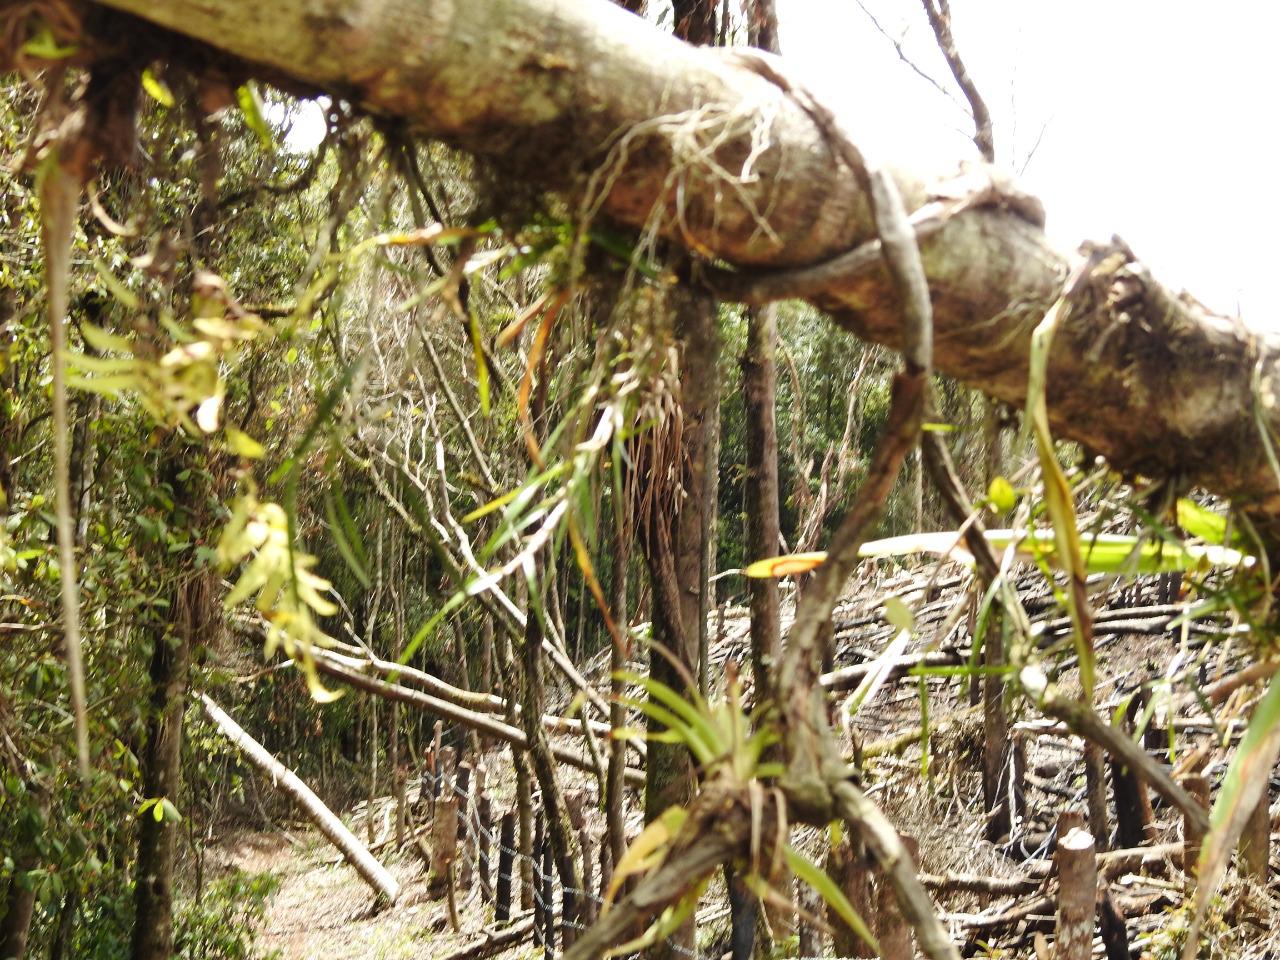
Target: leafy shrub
pixel 222 924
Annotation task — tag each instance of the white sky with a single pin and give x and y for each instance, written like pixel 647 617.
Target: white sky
pixel 1153 117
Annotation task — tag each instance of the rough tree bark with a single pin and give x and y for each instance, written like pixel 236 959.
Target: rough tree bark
pixel 194 609
pixel 508 81
pixel 759 392
pixel 675 549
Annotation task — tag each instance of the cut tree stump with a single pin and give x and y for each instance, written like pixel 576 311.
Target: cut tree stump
pixel 1193 837
pixel 1254 849
pixel 1078 885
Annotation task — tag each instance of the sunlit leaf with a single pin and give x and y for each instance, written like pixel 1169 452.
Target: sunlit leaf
pixel 44 46
pixel 251 107
pixel 1201 522
pixel 786 565
pixel 1001 494
pixel 243 445
pixel 156 88
pixel 648 850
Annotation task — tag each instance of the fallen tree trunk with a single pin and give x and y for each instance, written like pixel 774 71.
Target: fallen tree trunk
pixel 355 853
pixel 484 723
pixel 708 149
pixel 363 661
pixel 494 941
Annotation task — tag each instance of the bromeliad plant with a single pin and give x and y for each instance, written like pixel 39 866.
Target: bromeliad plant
pixel 731 745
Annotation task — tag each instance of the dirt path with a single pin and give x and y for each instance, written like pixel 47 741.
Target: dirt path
pixel 322 908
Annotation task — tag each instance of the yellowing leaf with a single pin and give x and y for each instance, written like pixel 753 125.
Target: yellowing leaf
pixel 156 88
pixel 648 850
pixel 786 565
pixel 243 445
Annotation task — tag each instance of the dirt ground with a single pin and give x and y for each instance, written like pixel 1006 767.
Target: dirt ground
pixel 322 909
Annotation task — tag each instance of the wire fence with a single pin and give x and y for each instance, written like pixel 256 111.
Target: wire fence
pixel 489 858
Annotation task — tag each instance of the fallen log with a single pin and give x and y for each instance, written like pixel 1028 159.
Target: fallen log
pixel 364 661
pixel 494 940
pixel 980 883
pixel 1112 863
pixel 481 722
pixel 353 851
pixel 718 156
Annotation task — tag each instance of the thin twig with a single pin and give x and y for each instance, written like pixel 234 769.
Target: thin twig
pixel 939 14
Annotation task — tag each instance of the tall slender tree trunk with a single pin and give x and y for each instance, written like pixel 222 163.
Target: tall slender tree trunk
pixel 615 808
pixel 20 902
pixel 675 552
pixel 764 534
pixel 759 388
pixel 193 610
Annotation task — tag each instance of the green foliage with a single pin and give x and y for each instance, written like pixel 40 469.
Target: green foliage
pixel 220 924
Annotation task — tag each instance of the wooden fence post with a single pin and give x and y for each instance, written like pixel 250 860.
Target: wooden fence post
pixel 810 938
pixel 434 766
pixel 572 904
pixel 1078 885
pixel 444 842
pixel 462 790
pixel 587 913
pixel 606 868
pixel 847 864
pixel 744 913
pixel 448 760
pixel 1134 818
pixel 1096 792
pixel 506 867
pixel 539 900
pixel 484 829
pixel 1192 836
pixel 528 849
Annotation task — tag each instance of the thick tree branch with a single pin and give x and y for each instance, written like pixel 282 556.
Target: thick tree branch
pixel 688 142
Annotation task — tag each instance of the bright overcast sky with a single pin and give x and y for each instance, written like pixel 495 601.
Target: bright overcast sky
pixel 1148 119
pixel 1153 117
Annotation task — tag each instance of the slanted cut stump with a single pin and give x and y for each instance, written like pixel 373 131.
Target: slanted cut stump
pixel 1254 849
pixel 891 927
pixel 848 865
pixel 1192 835
pixel 1078 885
